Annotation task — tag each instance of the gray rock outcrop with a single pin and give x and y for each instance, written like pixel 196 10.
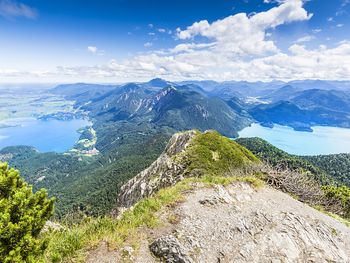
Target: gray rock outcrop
pixel 162 173
pixel 169 249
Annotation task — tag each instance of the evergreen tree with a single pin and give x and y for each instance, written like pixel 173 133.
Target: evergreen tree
pixel 23 214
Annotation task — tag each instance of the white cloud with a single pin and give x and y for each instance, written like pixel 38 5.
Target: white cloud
pixel 233 48
pixel 340 25
pixel 317 30
pixel 148 44
pixel 242 35
pixel 161 30
pixel 330 19
pixel 305 39
pixel 11 9
pixel 150 25
pixel 92 49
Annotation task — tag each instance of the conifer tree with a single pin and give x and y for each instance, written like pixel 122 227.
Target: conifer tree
pixel 23 214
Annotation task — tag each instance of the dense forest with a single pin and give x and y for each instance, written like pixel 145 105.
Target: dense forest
pixel 336 165
pixel 90 185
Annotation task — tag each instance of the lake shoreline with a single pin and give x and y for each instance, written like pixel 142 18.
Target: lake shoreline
pixel 322 140
pixel 45 135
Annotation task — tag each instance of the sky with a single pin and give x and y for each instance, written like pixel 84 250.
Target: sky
pixel 113 41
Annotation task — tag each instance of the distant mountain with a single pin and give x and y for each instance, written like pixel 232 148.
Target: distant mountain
pixel 313 84
pixel 122 103
pixel 207 85
pixel 157 83
pixel 285 93
pixel 177 107
pixel 327 99
pixel 81 92
pixel 245 89
pixel 184 109
pixel 336 100
pixel 289 114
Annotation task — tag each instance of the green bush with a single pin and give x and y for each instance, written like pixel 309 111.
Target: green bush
pixel 23 214
pixel 342 194
pixel 215 154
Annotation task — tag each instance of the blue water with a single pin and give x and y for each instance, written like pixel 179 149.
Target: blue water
pixel 46 136
pixel 323 140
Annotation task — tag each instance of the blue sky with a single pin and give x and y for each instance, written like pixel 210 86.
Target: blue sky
pixel 118 40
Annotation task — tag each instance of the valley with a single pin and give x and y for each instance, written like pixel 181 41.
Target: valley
pixel 129 124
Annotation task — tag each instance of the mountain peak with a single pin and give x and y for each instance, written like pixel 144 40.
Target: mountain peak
pixel 158 82
pixel 196 154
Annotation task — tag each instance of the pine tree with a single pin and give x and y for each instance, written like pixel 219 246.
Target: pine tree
pixel 23 214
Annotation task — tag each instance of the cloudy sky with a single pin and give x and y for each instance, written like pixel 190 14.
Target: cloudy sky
pixel 128 40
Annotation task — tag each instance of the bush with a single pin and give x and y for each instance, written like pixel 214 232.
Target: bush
pixel 23 215
pixel 342 194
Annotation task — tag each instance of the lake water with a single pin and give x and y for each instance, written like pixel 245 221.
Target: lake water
pixel 323 140
pixel 50 135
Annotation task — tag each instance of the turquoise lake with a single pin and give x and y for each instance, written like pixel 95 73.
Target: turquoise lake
pixel 323 140
pixel 46 136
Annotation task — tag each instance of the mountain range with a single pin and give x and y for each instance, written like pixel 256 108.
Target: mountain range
pixel 143 116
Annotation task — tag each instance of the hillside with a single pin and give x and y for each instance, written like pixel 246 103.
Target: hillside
pixel 208 199
pixel 336 165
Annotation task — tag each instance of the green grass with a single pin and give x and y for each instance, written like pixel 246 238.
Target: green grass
pixel 214 154
pixel 73 243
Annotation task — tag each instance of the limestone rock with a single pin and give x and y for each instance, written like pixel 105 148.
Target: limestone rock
pixel 162 173
pixel 169 249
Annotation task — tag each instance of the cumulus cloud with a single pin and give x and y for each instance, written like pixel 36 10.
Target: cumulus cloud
pixel 243 35
pixel 11 9
pixel 232 48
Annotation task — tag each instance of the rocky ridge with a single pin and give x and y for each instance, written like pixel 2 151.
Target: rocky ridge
pixel 162 173
pixel 227 223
